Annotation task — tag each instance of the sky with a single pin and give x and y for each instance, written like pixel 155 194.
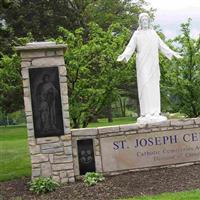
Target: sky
pixel 171 13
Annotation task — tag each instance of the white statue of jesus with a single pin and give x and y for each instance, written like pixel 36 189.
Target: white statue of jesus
pixel 147 44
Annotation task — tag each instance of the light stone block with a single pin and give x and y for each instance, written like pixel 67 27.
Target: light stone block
pixel 67 128
pixel 46 169
pixel 63 87
pixel 129 127
pixel 25 64
pixel 34 150
pixel 36 173
pixel 31 141
pixel 63 174
pixel 70 173
pixel 75 153
pixel 71 179
pixel 159 124
pixel 51 145
pixel 33 54
pixel 48 62
pixel 197 121
pixel 25 74
pixel 66 137
pixel 68 150
pixel 98 163
pixel 183 122
pixel 27 104
pixel 56 173
pixel 62 71
pixel 67 143
pixel 65 100
pixel 63 79
pixel 144 130
pixel 50 53
pixel 56 178
pixel 31 133
pixel 155 129
pixel 97 148
pixel 66 115
pixel 130 132
pixel 188 126
pixel 59 52
pixel 53 150
pixel 35 165
pixel 84 131
pixel 51 158
pixel 63 159
pixel 28 113
pixel 29 119
pixel 39 158
pixel 26 85
pixel 47 140
pixel 29 126
pixel 59 167
pixel 64 180
pixel 108 129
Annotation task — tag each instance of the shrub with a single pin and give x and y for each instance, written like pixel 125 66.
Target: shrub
pixel 43 185
pixel 91 178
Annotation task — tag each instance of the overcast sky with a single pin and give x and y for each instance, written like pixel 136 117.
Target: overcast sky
pixel 171 13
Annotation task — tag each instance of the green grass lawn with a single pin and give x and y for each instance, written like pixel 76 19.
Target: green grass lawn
pixel 116 121
pixel 15 160
pixel 190 195
pixel 14 154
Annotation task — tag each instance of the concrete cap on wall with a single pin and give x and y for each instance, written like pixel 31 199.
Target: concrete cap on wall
pixel 41 45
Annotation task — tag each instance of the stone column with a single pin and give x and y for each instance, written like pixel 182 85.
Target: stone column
pixel 47 111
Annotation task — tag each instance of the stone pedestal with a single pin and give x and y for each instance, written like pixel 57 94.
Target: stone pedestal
pixel 45 92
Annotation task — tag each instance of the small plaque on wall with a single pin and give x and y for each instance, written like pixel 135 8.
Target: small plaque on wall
pixel 86 156
pixel 46 102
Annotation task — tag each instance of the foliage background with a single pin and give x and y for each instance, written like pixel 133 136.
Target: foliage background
pixel 96 32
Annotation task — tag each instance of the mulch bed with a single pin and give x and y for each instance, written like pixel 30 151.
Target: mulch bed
pixel 127 185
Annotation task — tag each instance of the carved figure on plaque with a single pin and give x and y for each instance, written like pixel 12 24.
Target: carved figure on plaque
pixel 147 44
pixel 46 102
pixel 46 97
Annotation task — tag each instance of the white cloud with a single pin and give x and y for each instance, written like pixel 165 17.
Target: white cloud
pixel 171 13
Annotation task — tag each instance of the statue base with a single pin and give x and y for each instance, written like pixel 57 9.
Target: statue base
pixel 151 119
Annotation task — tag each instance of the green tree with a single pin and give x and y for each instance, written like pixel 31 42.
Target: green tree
pixel 10 84
pixel 94 76
pixel 40 20
pixel 181 78
pixel 43 17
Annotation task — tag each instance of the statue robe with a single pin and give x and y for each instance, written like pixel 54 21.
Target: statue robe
pixel 147 45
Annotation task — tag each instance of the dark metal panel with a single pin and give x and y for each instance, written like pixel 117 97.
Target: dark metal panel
pixel 46 102
pixel 86 156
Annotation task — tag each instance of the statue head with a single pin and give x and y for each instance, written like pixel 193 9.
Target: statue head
pixel 144 21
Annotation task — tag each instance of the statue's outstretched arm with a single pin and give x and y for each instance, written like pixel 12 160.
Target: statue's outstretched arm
pixel 128 52
pixel 167 51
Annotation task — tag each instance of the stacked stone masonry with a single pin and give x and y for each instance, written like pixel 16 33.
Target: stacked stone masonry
pixel 124 130
pixel 57 157
pixel 50 156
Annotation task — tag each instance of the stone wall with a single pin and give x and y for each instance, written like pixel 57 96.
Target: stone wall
pixel 58 157
pixel 126 131
pixel 50 156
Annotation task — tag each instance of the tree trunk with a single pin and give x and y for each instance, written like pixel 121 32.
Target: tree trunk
pixel 109 113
